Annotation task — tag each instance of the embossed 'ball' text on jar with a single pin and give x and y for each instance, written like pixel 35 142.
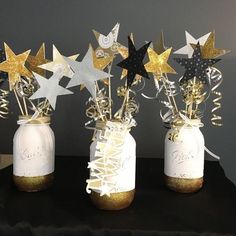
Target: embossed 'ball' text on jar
pixel 125 168
pixel 184 159
pixel 33 154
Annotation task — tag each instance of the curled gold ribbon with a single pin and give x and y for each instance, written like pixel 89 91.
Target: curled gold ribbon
pixel 216 79
pixel 4 109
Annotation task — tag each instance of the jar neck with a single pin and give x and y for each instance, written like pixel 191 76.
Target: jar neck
pixel 102 125
pixel 28 120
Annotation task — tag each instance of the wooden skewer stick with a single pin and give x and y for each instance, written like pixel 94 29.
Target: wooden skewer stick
pixel 18 101
pixel 98 107
pixel 109 89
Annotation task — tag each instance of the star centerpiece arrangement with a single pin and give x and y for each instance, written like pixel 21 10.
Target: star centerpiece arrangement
pixel 199 81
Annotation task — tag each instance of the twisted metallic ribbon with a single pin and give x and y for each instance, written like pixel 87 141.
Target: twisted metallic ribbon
pixel 4 109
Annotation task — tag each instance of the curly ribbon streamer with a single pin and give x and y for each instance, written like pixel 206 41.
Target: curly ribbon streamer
pixel 4 110
pixel 216 79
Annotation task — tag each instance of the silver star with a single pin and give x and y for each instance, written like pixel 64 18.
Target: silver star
pixel 50 88
pixel 188 49
pixel 85 73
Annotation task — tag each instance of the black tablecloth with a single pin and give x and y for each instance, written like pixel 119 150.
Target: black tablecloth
pixel 66 209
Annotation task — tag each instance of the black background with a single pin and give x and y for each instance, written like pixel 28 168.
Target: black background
pixel 68 24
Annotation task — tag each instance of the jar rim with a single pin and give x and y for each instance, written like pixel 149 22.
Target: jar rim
pixel 43 120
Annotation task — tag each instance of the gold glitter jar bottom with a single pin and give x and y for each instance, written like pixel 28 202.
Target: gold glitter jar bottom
pixel 116 201
pixel 183 185
pixel 33 184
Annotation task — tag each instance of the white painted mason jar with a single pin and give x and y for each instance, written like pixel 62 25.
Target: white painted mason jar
pixel 33 154
pixel 124 179
pixel 184 159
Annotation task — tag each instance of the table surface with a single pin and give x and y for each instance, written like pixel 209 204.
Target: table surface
pixel 66 209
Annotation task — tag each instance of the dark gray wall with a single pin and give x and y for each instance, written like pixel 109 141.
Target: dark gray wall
pixel 68 23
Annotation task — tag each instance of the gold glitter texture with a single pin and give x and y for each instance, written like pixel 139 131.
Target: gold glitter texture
pixel 39 59
pixel 116 201
pixel 158 63
pixel 15 66
pixel 33 184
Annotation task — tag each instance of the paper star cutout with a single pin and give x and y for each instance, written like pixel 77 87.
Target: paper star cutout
pixel 3 75
pixel 124 52
pixel 107 44
pixel 208 50
pixel 14 65
pixel 158 63
pixel 105 190
pixel 59 63
pixel 159 46
pixel 196 66
pixel 39 59
pixel 50 88
pixel 85 73
pixel 134 62
pixel 187 49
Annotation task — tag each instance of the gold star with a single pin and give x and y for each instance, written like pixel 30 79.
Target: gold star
pixel 158 63
pixel 15 66
pixel 208 50
pixel 37 60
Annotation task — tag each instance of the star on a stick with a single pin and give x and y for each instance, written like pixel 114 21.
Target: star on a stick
pixel 34 62
pixel 196 66
pixel 85 73
pixel 158 63
pixel 208 50
pixel 14 65
pixel 187 49
pixel 50 88
pixel 59 63
pixel 134 62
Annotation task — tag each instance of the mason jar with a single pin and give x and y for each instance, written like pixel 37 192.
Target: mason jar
pixel 184 159
pixel 119 156
pixel 33 154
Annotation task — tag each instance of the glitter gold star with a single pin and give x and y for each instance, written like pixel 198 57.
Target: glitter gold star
pixel 158 63
pixel 39 59
pixel 14 65
pixel 208 50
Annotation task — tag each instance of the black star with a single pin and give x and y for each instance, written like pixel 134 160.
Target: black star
pixel 134 62
pixel 196 66
pixel 3 75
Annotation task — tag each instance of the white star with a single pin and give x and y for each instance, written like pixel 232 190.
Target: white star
pixel 92 165
pixel 85 73
pixel 105 190
pixel 50 88
pixel 187 49
pixel 59 63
